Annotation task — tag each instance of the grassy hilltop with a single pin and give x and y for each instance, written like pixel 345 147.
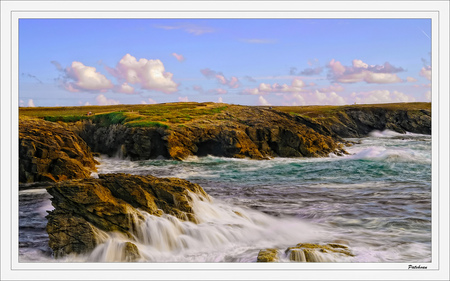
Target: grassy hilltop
pixel 166 115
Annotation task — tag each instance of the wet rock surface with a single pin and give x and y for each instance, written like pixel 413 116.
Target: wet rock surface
pixel 306 252
pixel 51 152
pixel 112 203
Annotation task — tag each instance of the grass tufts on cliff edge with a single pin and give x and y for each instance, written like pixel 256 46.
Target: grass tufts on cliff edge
pixel 155 115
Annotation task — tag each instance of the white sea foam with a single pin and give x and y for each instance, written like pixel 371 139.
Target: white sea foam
pixel 222 230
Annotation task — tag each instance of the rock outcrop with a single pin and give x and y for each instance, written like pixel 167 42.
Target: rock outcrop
pixel 238 131
pixel 306 252
pixel 359 121
pixel 52 152
pixel 268 255
pixel 113 203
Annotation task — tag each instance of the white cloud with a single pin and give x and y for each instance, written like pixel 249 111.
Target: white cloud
pixel 263 101
pixel 253 91
pixel 411 79
pixel 381 96
pixel 30 103
pixel 265 88
pixel 335 87
pixel 361 71
pixel 87 103
pixel 313 98
pixel 102 100
pixel 426 72
pixel 86 78
pixel 360 64
pixel 125 88
pixel 149 74
pixel 183 99
pixel 381 78
pixel 220 100
pixel 150 101
pixel 232 83
pixel 180 58
pixel 218 91
pixel 428 95
pixel 189 28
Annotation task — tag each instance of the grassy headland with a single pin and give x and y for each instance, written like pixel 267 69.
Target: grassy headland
pixel 155 115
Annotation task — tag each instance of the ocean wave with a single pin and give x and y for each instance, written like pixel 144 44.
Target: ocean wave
pixel 390 154
pixel 392 134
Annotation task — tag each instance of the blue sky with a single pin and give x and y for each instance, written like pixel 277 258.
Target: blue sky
pixel 71 62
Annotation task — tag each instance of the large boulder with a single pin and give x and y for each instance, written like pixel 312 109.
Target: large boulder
pixel 113 203
pixel 52 152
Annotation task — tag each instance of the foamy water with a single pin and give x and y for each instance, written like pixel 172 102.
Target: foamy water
pixel 377 199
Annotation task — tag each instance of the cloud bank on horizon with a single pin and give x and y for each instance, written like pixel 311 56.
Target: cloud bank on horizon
pixel 71 62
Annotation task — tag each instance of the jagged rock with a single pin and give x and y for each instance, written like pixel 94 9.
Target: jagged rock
pixel 131 252
pixel 239 132
pixel 268 255
pixel 354 122
pixel 111 203
pixel 52 152
pixel 307 252
pixel 123 141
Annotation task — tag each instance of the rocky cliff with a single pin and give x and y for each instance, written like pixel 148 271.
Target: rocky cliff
pixel 113 203
pixel 238 131
pixel 50 151
pixel 358 121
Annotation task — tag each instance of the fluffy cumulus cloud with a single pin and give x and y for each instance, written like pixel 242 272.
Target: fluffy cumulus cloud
pixel 297 85
pixel 381 96
pixel 179 58
pixel 263 101
pixel 149 74
pixel 80 77
pixel 426 72
pixel 183 99
pixel 30 103
pixel 361 71
pixel 102 100
pixel 233 82
pixel 313 98
pixel 149 101
pixel 125 88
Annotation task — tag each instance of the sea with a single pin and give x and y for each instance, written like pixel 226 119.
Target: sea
pixel 376 200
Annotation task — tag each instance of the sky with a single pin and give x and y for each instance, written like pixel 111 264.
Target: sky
pixel 292 62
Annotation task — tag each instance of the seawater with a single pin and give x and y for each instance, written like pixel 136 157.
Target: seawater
pixel 377 200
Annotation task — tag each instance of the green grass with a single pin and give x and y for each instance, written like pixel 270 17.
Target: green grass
pixel 156 115
pixel 172 115
pixel 67 118
pixel 147 124
pixel 315 111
